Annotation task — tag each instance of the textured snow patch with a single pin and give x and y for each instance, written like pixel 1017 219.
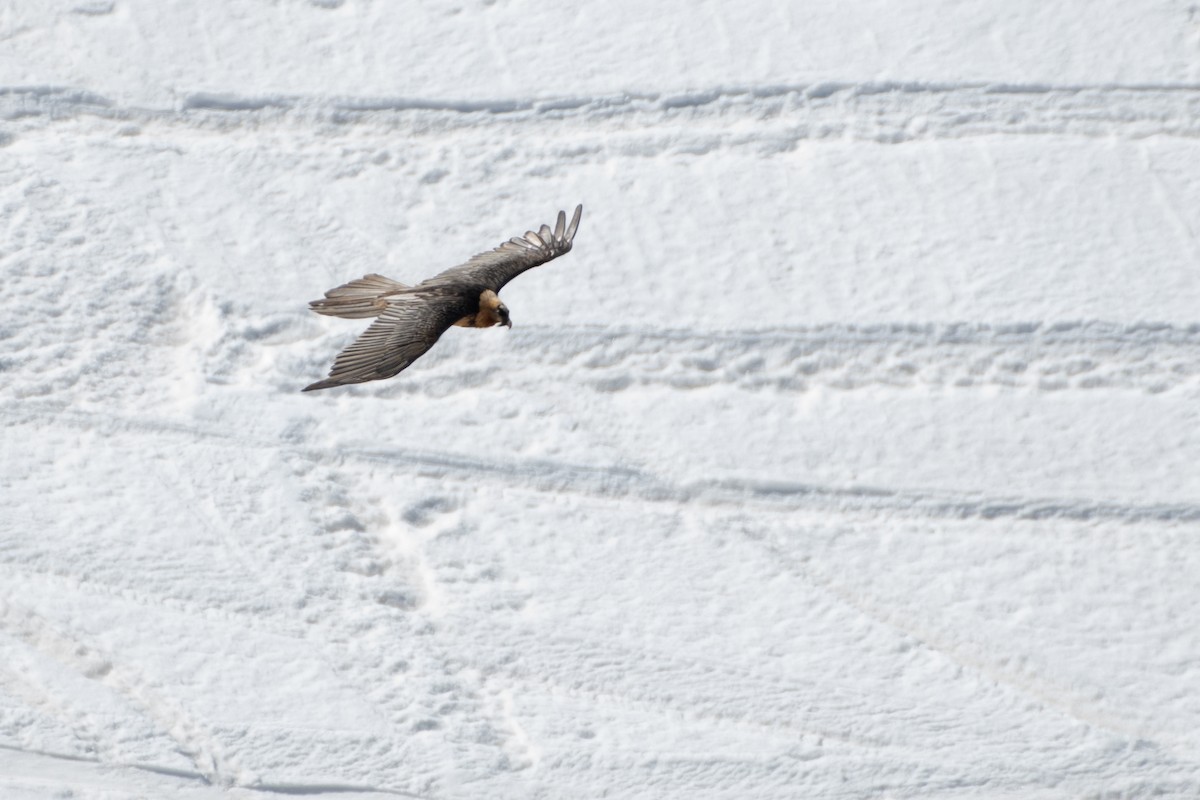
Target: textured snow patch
pixel 851 452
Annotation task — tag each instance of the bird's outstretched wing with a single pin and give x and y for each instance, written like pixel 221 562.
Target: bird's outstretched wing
pixel 494 268
pixel 403 333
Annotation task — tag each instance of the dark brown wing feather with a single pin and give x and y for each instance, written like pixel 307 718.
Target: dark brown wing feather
pixel 402 334
pixel 493 269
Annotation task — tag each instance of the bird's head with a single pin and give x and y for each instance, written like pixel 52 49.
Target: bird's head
pixel 502 314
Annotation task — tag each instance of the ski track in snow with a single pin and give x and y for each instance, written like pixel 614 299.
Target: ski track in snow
pixel 481 619
pixel 619 483
pixel 784 115
pixel 1147 357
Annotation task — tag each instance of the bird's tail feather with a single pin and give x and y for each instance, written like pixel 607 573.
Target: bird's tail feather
pixel 358 299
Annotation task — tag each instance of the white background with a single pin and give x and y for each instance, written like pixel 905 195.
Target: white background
pixel 851 453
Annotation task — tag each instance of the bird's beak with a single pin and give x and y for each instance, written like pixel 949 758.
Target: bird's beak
pixel 508 322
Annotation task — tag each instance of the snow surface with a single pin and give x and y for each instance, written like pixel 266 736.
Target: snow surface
pixel 851 453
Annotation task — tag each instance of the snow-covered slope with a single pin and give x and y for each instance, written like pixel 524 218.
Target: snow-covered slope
pixel 850 453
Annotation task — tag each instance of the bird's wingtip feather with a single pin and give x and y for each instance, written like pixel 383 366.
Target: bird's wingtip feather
pixel 574 226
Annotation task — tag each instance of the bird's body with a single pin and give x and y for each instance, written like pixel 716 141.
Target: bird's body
pixel 409 319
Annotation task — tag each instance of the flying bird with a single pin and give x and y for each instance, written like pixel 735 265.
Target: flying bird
pixel 409 319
